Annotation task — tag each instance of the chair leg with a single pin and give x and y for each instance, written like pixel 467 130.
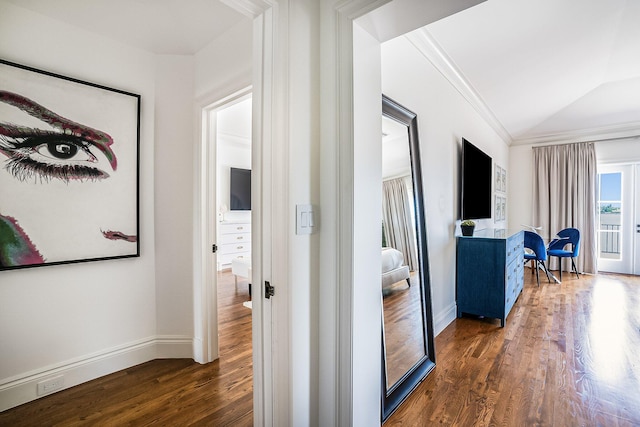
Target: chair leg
pixel 408 281
pixel 537 274
pixel 573 264
pixel 560 267
pixel 546 271
pixel 531 264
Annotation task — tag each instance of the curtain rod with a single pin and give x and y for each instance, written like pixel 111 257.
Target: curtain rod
pixel 550 144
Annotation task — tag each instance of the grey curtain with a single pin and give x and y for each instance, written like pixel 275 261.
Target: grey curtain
pixel 397 218
pixel 564 195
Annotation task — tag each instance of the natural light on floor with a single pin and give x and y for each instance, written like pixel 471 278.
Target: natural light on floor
pixel 607 330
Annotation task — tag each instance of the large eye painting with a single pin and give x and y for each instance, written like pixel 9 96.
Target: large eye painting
pixel 68 170
pixel 62 150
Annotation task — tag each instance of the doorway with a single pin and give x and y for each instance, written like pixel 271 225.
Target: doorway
pixel 618 221
pixel 223 325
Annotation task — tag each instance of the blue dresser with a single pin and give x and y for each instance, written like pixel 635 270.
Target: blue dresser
pixel 489 272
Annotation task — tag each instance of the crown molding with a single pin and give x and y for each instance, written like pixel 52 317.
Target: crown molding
pixel 249 8
pixel 603 133
pixel 435 54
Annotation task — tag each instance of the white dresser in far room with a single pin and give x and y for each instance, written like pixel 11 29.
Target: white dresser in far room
pixel 234 241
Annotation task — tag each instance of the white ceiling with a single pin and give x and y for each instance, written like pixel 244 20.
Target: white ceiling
pixel 549 68
pixel 536 69
pixel 177 27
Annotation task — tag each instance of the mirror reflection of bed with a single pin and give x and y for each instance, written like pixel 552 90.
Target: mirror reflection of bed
pixel 402 308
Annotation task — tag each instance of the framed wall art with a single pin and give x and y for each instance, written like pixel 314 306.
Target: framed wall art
pixel 500 178
pixel 497 177
pixel 69 170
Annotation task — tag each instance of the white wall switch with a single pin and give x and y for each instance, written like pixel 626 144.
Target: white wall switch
pixel 305 220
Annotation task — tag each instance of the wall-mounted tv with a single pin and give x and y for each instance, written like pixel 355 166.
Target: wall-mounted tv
pixel 475 197
pixel 240 189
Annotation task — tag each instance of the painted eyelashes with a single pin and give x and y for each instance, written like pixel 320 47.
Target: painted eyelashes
pixel 63 153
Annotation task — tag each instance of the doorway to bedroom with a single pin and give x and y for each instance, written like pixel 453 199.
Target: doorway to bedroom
pixel 226 130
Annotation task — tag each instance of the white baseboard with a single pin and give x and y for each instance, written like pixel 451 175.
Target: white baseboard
pixel 174 347
pixel 444 318
pixel 23 388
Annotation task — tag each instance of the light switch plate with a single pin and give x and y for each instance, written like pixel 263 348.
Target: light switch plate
pixel 305 219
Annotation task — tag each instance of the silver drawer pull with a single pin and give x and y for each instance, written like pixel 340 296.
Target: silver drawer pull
pixel 239 228
pixel 240 238
pixel 240 247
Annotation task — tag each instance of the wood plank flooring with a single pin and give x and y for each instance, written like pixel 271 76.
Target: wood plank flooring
pixel 165 392
pixel 569 355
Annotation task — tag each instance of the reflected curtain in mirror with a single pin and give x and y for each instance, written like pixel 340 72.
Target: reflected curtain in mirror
pixel 397 217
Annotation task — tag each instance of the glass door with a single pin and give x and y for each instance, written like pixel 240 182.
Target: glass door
pixel 616 218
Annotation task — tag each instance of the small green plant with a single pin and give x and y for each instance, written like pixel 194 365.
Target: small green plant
pixel 468 222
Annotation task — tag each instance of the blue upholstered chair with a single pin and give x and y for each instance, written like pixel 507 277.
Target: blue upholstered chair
pixel 557 247
pixel 538 256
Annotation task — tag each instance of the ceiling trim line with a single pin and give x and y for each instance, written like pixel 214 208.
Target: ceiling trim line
pixel 424 42
pixel 604 133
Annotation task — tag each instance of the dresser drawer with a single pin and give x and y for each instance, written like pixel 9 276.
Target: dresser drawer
pixel 235 238
pixel 515 247
pixel 234 248
pixel 235 228
pixel 234 241
pixel 225 259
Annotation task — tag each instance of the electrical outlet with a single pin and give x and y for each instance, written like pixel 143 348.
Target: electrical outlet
pixel 50 385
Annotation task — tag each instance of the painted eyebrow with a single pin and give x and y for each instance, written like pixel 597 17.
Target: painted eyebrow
pixel 101 140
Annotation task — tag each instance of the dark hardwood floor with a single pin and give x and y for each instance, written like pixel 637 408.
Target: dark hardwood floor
pixel 165 392
pixel 569 355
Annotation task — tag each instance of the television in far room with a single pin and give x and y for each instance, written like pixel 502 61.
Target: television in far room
pixel 240 189
pixel 476 182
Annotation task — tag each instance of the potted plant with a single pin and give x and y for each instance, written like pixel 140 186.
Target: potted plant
pixel 467 227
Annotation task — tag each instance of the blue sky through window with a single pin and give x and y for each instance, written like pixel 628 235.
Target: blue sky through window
pixel 611 186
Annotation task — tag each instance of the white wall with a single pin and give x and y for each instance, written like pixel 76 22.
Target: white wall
pixel 521 176
pixel 367 200
pixel 87 319
pixel 174 198
pixel 444 117
pixel 224 66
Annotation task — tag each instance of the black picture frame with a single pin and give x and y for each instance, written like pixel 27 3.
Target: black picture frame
pixel 69 169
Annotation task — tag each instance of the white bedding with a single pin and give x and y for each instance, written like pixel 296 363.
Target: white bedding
pixel 391 259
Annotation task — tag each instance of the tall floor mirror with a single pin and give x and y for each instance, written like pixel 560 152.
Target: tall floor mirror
pixel 408 353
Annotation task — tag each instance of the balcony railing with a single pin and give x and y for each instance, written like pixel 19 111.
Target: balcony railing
pixel 609 239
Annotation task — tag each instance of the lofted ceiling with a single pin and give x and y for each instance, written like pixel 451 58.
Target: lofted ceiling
pixel 537 70
pixel 548 69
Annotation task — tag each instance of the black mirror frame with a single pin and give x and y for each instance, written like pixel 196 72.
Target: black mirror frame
pixel 393 397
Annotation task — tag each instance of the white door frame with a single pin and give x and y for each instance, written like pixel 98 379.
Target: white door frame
pixel 272 221
pixel 636 221
pixel 206 345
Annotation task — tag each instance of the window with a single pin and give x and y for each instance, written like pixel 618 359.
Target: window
pixel 609 215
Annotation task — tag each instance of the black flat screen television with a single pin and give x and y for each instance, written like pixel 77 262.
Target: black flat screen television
pixel 476 182
pixel 240 189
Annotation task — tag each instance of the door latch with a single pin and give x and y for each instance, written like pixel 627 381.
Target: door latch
pixel 269 290
pixel 214 248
